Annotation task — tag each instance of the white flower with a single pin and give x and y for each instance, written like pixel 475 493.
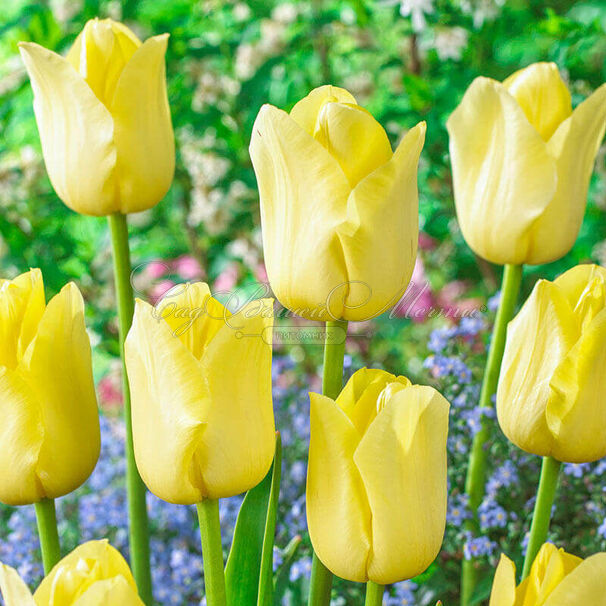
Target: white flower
pixel 416 10
pixel 450 42
pixel 285 13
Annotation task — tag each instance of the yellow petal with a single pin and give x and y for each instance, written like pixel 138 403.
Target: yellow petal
pixel 58 369
pixel 504 584
pixel 100 53
pixel 238 442
pixel 21 435
pixel 303 194
pixel 110 591
pixel 584 585
pixel 305 112
pixel 354 138
pixel 21 307
pixel 538 338
pixel 193 315
pixel 576 413
pixel 143 129
pixel 80 161
pixel 380 236
pixel 359 397
pixel 574 147
pixel 81 569
pixel 503 176
pixel 550 566
pixel 402 461
pixel 170 404
pixel 338 514
pixel 14 590
pixel 574 282
pixel 542 95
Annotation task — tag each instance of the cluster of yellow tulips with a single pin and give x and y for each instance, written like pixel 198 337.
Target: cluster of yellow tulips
pixel 339 215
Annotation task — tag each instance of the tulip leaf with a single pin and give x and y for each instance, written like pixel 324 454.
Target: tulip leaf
pixel 244 560
pixel 283 573
pixel 266 580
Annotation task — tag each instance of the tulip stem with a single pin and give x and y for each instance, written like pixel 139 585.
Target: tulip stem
pixel 541 516
pixel 47 531
pixel 137 508
pixel 374 594
pixel 212 552
pixel 476 471
pixel 332 383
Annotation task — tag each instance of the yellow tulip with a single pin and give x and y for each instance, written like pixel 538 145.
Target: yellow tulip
pixel 339 209
pixel 200 379
pixel 556 579
pixel 94 574
pixel 49 434
pixel 103 118
pixel 550 398
pixel 521 161
pixel 376 483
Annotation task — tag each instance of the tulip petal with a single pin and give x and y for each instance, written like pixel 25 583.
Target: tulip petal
pixel 58 367
pixel 504 584
pixel 354 138
pixel 385 203
pixel 95 560
pixel 576 413
pixel 193 315
pixel 359 398
pixel 542 95
pixel 574 281
pixel 99 54
pixel 21 307
pixel 532 353
pixel 21 436
pixel 574 147
pixel 238 442
pixel 109 591
pixel 143 130
pixel 305 112
pixel 170 405
pixel 14 590
pixel 303 194
pixel 338 514
pixel 498 159
pixel 76 132
pixel 402 461
pixel 584 585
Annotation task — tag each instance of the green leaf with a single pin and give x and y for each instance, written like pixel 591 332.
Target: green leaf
pixel 283 573
pixel 243 563
pixel 266 586
pixel 244 560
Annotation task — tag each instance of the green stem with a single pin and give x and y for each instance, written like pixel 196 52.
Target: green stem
pixel 137 508
pixel 542 511
pixel 332 383
pixel 212 552
pixel 476 471
pixel 374 594
pixel 47 531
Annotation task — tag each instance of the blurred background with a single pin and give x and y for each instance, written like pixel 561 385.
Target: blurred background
pixel 404 61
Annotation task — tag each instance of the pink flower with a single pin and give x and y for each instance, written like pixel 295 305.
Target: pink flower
pixel 110 390
pixel 418 300
pixel 157 268
pixel 426 242
pixel 188 267
pixel 159 290
pixel 261 273
pixel 227 279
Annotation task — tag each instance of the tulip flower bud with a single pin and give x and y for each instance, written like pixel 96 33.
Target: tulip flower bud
pixel 104 120
pixel 49 434
pixel 550 398
pixel 556 578
pixel 94 574
pixel 339 209
pixel 521 161
pixel 377 478
pixel 200 380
